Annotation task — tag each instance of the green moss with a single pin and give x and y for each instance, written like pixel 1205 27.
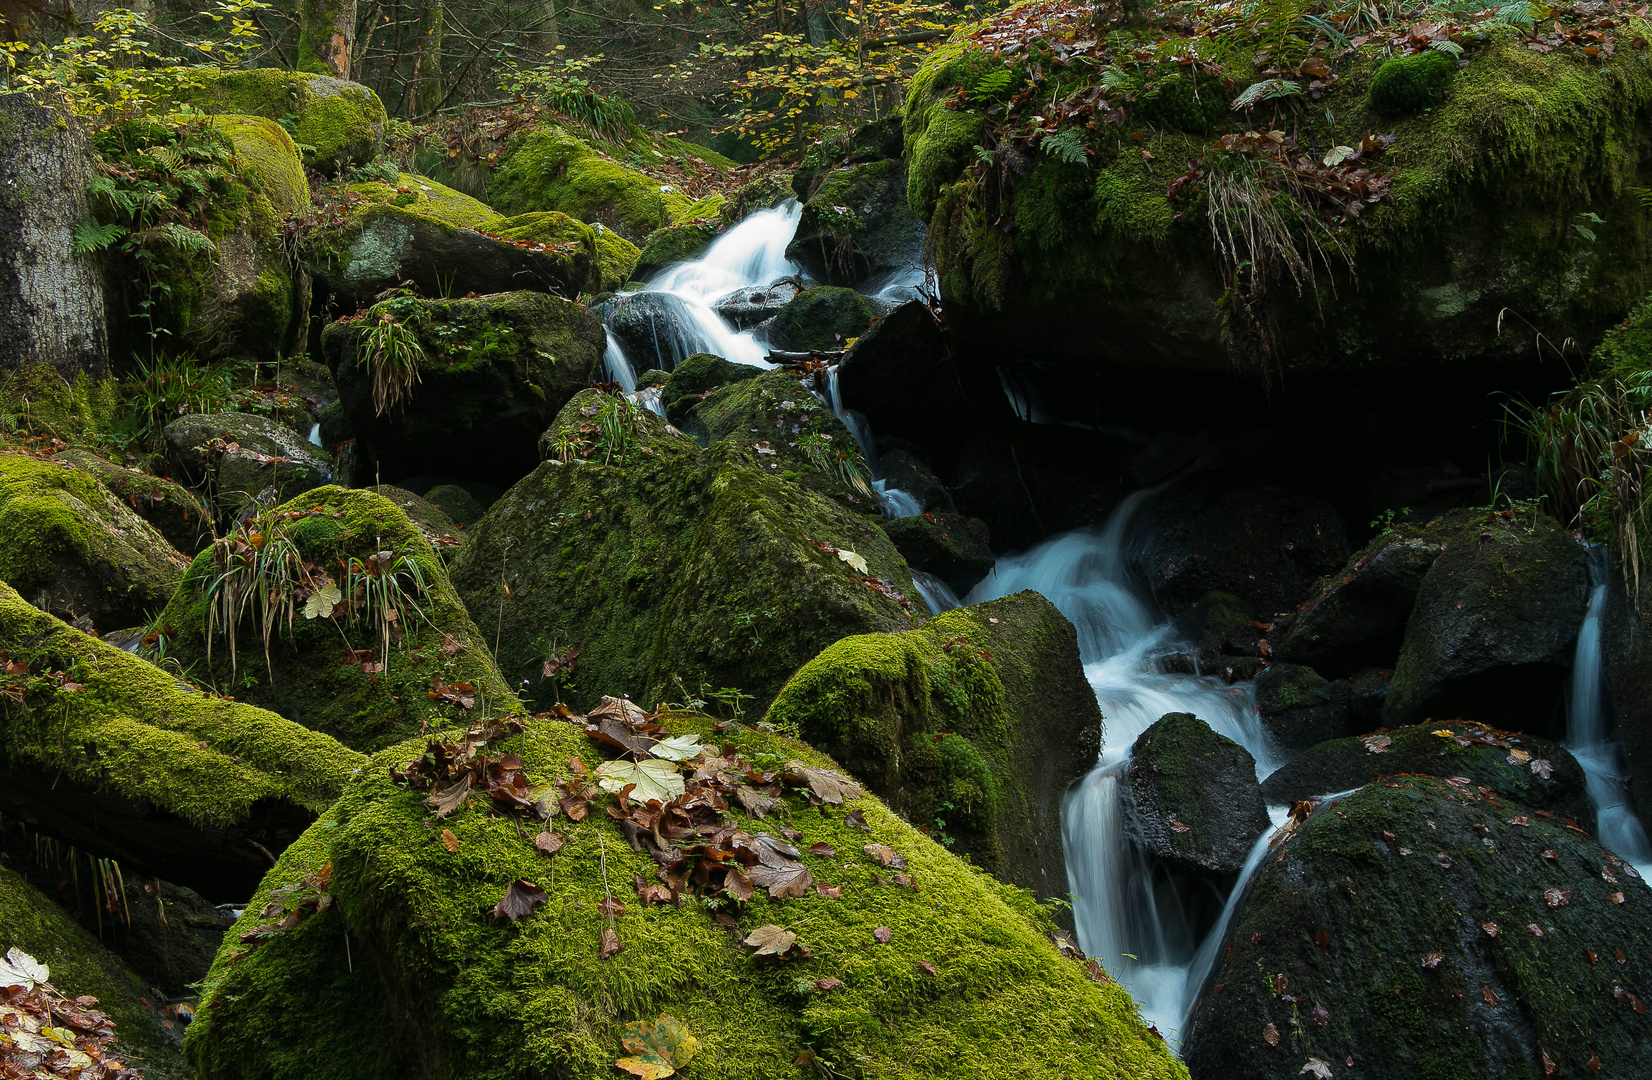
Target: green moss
pixel 343 122
pixel 676 244
pixel 427 199
pixel 1407 84
pixel 302 677
pixel 80 965
pixel 173 510
pixel 133 733
pixel 824 317
pixel 612 255
pixel 269 153
pixel 697 376
pixel 465 994
pixel 39 401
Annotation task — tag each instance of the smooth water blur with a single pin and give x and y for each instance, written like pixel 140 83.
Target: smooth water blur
pixel 935 592
pixel 1616 824
pixel 1140 924
pixel 617 365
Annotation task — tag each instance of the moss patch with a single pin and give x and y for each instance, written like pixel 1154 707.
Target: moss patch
pixel 343 122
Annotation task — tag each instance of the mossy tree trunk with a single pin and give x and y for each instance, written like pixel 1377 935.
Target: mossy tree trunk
pixel 426 97
pixel 328 37
pixel 51 298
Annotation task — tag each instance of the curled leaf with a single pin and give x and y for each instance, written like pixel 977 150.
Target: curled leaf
pixel 521 897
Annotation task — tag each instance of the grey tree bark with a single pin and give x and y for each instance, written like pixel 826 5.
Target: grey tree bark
pixel 51 299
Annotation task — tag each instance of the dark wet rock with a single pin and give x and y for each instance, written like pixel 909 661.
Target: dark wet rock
pixel 980 718
pixel 1490 638
pixel 1359 613
pixel 436 525
pixel 823 317
pixel 745 308
pixel 494 370
pixel 1223 531
pixel 1194 801
pixel 880 140
pixel 654 329
pixel 174 510
pixel 857 225
pixel 1500 761
pixel 1026 487
pixel 697 377
pixel 239 456
pixel 954 548
pixel 1488 948
pixel 906 471
pixel 456 503
pixel 1627 656
pixel 1300 709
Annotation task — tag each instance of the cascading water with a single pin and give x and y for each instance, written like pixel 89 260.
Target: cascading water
pixel 617 364
pixel 1617 826
pixel 1136 924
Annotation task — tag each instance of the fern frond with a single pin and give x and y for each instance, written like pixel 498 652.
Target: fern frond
pixel 90 236
pixel 1266 90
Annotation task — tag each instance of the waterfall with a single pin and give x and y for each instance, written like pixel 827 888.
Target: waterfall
pixel 1616 825
pixel 1137 925
pixel 617 365
pixel 935 592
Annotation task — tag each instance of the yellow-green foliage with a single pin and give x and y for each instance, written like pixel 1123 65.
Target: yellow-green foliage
pixel 135 734
pixel 63 534
pixel 81 965
pixel 268 152
pixel 459 992
pixel 426 198
pixel 343 122
pixel 303 677
pixel 38 400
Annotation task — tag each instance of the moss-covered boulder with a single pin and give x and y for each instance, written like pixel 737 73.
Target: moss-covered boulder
pixel 972 727
pixel 442 986
pixel 1301 708
pixel 695 379
pixel 457 503
pixel 492 371
pixel 1500 760
pixel 857 226
pixel 824 317
pixel 73 548
pixel 1422 928
pixel 665 563
pixel 172 509
pixel 547 168
pixel 109 753
pixel 241 456
pixel 1490 637
pixel 40 401
pixel 1357 615
pixel 446 243
pixel 435 523
pixel 616 257
pixel 776 425
pixel 1476 198
pixel 362 677
pixel 675 244
pixel 80 966
pixel 955 548
pixel 1194 801
pixel 340 123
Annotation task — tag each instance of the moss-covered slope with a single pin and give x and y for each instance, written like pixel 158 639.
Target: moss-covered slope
pixel 663 562
pixel 966 986
pixel 115 756
pixel 1082 217
pixel 323 672
pixel 972 725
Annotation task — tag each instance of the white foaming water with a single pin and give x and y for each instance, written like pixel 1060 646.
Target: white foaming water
pixel 751 253
pixel 935 592
pixel 618 365
pixel 1617 827
pixel 315 434
pixel 895 502
pixel 1119 906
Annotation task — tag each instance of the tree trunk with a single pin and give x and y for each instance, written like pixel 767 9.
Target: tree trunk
pixel 51 299
pixel 427 68
pixel 329 37
pixel 551 31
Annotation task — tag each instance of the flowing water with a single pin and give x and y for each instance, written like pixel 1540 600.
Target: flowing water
pixel 1587 737
pixel 1142 924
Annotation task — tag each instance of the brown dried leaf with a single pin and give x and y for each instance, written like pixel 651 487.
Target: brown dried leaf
pixel 1270 1035
pixel 823 849
pixel 1322 1015
pixel 548 842
pixel 830 892
pixel 856 819
pixel 738 885
pixel 1489 996
pixel 756 803
pixel 827 985
pixel 1557 898
pixel 449 799
pixel 610 944
pixel 610 907
pixel 831 787
pixel 1432 960
pixel 771 940
pixel 1490 928
pixel 450 841
pixel 881 935
pixel 521 897
pixel 883 855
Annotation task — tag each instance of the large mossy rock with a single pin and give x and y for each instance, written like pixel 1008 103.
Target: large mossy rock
pixel 1490 638
pixel 615 258
pixel 134 765
pixel 1358 614
pixel 441 987
pixel 1499 760
pixel 1300 708
pixel 1490 948
pixel 241 456
pixel 1194 801
pixel 695 379
pixel 665 563
pixel 342 122
pixel 675 244
pixel 1034 252
pixel 335 675
pixel 81 966
pixel 420 231
pixel 824 317
pixel 494 371
pixel 547 168
pixel 974 724
pixel 857 227
pixel 73 548
pixel 172 509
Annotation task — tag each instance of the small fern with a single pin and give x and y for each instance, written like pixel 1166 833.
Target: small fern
pixel 992 85
pixel 1450 48
pixel 183 237
pixel 90 236
pixel 1066 145
pixel 1266 90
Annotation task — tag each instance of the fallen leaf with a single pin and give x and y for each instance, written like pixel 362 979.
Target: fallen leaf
pixel 1322 939
pixel 1593 1064
pixel 548 842
pixel 21 969
pixel 1317 1069
pixel 1443 859
pixel 450 841
pixel 449 799
pixel 1270 1035
pixel 830 892
pixel 1488 995
pixel 1557 898
pixel 610 945
pixel 1433 960
pixel 827 985
pixel 853 560
pixel 322 602
pixel 521 897
pixel 756 803
pixel 1280 982
pixel 659 1047
pixel 1541 768
pixel 1377 744
pixel 927 968
pixel 856 819
pixel 881 935
pixel 822 849
pixel 883 855
pixel 831 787
pixel 771 940
pixel 654 780
pixel 610 908
pixel 777 869
pixel 677 748
pixel 1490 928
pixel 1618 898
pixel 1523 821
pixel 1536 930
